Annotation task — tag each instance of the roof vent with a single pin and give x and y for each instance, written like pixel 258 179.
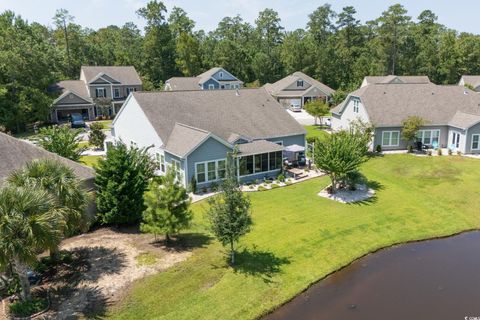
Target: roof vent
pixel 237 93
pixel 465 92
pixel 433 93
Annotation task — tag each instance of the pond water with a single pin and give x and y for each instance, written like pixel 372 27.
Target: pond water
pixel 435 279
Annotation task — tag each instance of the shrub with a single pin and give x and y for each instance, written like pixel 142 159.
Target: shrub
pixel 27 308
pixel 193 185
pixel 214 187
pixel 281 177
pixel 378 148
pixel 353 178
pixel 439 151
pixel 450 152
pixel 459 153
pixel 204 190
pixel 96 136
pixel 274 186
pixel 429 152
pixel 251 186
pixel 267 181
pixel 410 149
pixel 288 182
pixel 62 140
pixel 261 188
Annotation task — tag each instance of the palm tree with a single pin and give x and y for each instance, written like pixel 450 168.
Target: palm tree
pixel 61 183
pixel 30 221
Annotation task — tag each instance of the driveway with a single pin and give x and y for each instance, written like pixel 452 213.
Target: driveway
pixel 302 117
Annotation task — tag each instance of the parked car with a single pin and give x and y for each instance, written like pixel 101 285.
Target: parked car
pixel 76 120
pixel 295 107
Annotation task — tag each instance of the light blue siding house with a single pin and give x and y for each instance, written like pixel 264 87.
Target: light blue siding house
pixel 214 79
pixel 451 114
pixel 194 131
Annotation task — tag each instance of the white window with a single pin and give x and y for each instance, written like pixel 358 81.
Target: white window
pixel 116 92
pixel 161 161
pixel 356 105
pixel 100 92
pixel 475 141
pixel 175 165
pixel 211 87
pixel 209 171
pixel 428 137
pixel 299 83
pixel 390 138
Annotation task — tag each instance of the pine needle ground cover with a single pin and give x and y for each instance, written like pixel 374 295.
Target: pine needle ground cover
pixel 298 238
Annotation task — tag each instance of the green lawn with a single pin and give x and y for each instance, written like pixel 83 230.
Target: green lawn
pixel 314 131
pixel 105 123
pixel 90 161
pixel 299 238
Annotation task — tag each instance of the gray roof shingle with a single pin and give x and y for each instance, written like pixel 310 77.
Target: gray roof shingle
pixel 127 75
pixel 258 146
pixel 389 104
pixel 401 79
pixel 278 88
pixel 250 113
pixel 76 86
pixel 184 83
pixel 16 153
pixel 184 138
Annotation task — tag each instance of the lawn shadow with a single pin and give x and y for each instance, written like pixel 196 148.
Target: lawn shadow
pixel 259 263
pixel 371 184
pixel 183 242
pixel 375 185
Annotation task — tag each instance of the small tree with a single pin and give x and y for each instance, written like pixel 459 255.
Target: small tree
pixel 121 179
pixel 103 104
pixel 411 125
pixel 62 140
pixel 229 212
pixel 341 153
pixel 317 109
pixel 97 136
pixel 167 209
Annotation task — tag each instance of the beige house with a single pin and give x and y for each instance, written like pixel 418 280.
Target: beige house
pixel 101 90
pixel 297 89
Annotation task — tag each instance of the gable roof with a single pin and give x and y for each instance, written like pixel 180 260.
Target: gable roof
pixel 184 138
pixel 472 80
pixel 258 146
pixel 397 79
pixel 208 74
pixel 77 87
pixel 389 104
pixel 126 75
pixel 183 83
pixel 250 113
pixel 279 88
pixel 19 152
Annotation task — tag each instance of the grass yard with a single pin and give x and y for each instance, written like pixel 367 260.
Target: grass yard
pixel 105 123
pixel 314 131
pixel 299 238
pixel 90 161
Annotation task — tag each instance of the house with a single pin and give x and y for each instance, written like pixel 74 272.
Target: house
pixel 213 79
pixel 298 89
pixel 452 114
pixel 101 90
pixel 473 81
pixel 194 131
pixel 394 79
pixel 20 152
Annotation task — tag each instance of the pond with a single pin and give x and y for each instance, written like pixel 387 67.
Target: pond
pixel 434 279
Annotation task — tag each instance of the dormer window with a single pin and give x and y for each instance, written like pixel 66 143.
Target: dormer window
pixel 299 83
pixel 221 75
pixel 70 96
pixel 356 105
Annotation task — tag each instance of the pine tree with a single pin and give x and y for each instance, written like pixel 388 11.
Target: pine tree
pixel 167 209
pixel 121 180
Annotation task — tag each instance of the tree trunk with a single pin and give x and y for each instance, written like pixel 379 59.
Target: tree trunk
pixel 54 254
pixel 21 271
pixel 167 238
pixel 232 253
pixel 334 182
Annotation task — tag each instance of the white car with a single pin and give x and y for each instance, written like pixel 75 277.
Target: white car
pixel 295 107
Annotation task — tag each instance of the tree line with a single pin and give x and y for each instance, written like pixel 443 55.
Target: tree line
pixel 334 47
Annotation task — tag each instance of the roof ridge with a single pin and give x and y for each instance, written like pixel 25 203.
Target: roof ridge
pixel 191 127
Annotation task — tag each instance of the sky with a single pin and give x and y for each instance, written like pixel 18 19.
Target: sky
pixel 461 15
